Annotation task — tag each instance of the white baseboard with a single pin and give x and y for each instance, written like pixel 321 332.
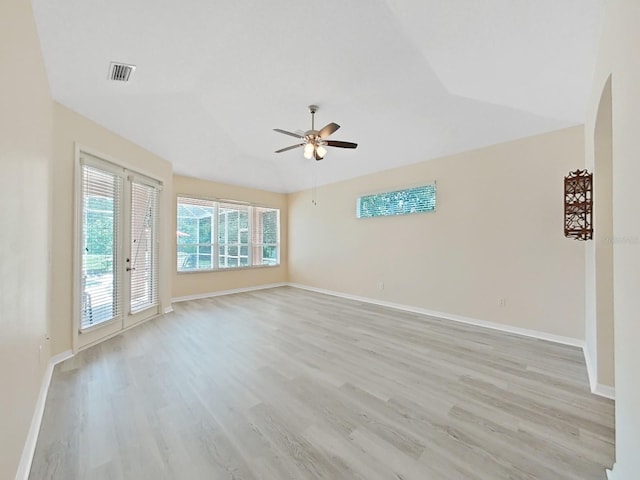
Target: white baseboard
pixel 599 389
pixel 591 368
pixel 574 342
pixel 610 475
pixel 604 391
pixel 34 429
pixel 61 357
pixel 227 292
pixel 169 309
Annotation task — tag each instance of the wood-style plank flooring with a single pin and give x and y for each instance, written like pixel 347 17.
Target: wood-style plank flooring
pixel 289 384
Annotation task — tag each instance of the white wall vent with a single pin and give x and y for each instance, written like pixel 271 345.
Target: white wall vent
pixel 120 72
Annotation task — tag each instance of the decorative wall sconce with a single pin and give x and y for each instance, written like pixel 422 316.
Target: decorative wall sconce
pixel 578 205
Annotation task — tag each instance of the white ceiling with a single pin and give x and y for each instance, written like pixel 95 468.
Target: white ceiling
pixel 408 80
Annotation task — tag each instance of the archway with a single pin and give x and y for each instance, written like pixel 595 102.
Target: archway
pixel 604 240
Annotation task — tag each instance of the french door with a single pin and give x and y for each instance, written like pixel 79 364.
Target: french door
pixel 117 217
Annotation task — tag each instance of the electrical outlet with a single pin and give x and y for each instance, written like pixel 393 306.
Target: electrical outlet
pixel 502 302
pixel 381 286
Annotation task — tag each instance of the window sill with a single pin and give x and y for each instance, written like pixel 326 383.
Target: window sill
pixel 229 269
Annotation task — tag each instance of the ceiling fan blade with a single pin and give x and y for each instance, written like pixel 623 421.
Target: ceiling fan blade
pixel 288 133
pixel 336 143
pixel 289 148
pixel 318 157
pixel 328 130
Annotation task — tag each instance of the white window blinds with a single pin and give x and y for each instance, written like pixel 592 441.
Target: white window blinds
pixel 266 236
pixel 143 262
pixel 101 212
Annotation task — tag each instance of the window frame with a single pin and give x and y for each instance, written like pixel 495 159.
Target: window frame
pixel 216 245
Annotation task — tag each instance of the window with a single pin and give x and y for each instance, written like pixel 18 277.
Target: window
pixel 217 236
pixel 195 235
pixel 398 202
pixel 233 235
pixel 266 239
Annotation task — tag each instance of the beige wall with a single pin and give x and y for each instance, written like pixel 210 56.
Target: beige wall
pixel 25 157
pixel 200 283
pixel 497 233
pixel 619 56
pixel 70 127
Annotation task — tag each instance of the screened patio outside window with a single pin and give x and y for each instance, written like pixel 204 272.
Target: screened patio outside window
pixel 218 235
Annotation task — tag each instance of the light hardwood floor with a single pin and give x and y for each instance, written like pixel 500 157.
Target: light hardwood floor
pixel 288 384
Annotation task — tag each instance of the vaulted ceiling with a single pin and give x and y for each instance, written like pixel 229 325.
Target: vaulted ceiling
pixel 408 80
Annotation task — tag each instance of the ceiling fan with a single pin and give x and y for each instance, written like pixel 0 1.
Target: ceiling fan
pixel 314 140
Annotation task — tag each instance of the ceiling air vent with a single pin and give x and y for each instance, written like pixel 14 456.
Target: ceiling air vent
pixel 120 72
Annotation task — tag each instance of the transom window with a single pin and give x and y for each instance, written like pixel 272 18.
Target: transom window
pixel 216 235
pixel 398 202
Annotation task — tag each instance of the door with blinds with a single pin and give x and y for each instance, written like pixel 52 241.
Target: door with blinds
pixel 118 249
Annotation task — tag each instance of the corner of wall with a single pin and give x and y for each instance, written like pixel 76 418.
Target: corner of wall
pixel 599 389
pixel 24 467
pixel 589 360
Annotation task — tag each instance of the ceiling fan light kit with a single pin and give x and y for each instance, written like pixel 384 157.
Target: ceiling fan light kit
pixel 308 150
pixel 314 141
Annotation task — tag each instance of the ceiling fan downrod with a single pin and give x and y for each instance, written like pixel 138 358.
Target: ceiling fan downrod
pixel 313 109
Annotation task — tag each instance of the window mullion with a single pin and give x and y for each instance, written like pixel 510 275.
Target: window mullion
pixel 215 250
pixel 250 238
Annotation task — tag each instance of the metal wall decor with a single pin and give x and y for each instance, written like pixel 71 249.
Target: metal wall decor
pixel 578 205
